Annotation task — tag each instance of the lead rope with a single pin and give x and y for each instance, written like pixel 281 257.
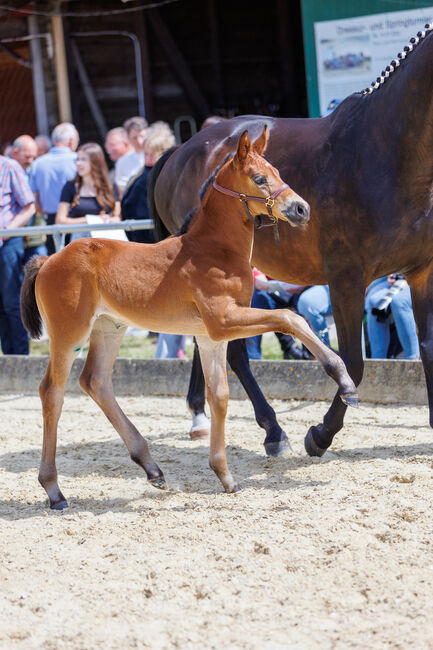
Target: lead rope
pixel 269 205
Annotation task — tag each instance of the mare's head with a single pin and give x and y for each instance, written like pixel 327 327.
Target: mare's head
pixel 252 176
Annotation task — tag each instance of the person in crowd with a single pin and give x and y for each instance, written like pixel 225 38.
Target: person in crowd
pixel 132 162
pixel 90 192
pixel 43 144
pixel 400 310
pixel 24 151
pixel 117 145
pixel 6 150
pixel 159 138
pixel 17 206
pixel 314 304
pixel 211 120
pixel 50 172
pixel 269 294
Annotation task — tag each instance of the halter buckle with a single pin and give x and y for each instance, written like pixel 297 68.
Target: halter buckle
pixel 242 197
pixel 269 202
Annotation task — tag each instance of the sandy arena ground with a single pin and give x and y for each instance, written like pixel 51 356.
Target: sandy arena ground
pixel 313 553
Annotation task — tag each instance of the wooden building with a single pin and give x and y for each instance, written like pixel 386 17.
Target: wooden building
pixel 97 63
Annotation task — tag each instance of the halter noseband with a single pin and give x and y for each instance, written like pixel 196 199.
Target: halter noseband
pixel 268 201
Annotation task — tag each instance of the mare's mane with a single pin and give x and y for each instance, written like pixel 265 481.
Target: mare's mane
pixel 184 227
pixel 395 63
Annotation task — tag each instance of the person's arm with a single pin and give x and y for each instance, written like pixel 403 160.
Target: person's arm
pixel 62 215
pixel 22 217
pixel 116 211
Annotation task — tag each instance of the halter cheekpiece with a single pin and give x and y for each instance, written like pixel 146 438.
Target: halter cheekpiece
pixel 268 201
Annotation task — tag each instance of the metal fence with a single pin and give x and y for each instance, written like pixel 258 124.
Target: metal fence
pixel 59 232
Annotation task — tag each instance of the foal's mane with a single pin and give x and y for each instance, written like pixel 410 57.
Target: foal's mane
pixel 395 63
pixel 184 227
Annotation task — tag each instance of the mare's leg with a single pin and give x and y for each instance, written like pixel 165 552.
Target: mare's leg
pixel 213 358
pixel 51 391
pixel 348 308
pixel 95 379
pixel 422 300
pixel 200 427
pixel 276 441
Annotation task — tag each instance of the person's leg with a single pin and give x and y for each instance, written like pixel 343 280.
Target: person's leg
pixel 167 346
pixel 260 300
pixel 378 332
pixel 314 304
pixel 401 307
pixel 34 250
pixel 14 336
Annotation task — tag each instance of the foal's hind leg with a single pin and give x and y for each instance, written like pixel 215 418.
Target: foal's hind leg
pixel 51 391
pixel 213 359
pixel 95 379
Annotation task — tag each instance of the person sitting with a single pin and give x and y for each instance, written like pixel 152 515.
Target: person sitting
pixel 270 294
pixel 89 193
pixel 399 310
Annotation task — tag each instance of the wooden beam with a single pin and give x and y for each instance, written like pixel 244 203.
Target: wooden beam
pixel 179 65
pixel 63 94
pixel 38 78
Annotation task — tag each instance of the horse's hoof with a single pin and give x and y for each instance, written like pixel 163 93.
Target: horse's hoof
pixel 234 489
pixel 158 482
pixel 310 446
pixel 59 505
pixel 199 434
pixel 280 448
pixel 350 399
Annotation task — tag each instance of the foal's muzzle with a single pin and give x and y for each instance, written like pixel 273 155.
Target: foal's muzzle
pixel 297 212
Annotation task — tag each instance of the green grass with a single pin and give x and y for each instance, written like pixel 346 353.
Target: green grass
pixel 144 348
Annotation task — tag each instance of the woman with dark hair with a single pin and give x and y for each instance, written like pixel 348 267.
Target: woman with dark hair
pixel 90 192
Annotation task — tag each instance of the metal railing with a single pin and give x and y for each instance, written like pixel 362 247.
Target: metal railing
pixel 60 231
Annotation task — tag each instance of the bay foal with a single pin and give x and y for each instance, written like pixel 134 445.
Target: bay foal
pixel 197 283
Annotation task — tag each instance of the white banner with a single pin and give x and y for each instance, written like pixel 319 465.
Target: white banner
pixel 352 52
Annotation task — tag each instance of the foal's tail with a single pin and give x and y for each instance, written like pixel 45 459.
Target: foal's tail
pixel 30 314
pixel 161 231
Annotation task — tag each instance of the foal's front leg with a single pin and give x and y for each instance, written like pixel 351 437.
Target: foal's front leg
pixel 213 358
pixel 239 322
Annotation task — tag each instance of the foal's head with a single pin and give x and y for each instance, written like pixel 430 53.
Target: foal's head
pixel 255 177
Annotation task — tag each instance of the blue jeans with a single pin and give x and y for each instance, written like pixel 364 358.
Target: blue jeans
pixel 168 345
pixel 34 250
pixel 314 304
pixel 13 336
pixel 401 311
pixel 260 300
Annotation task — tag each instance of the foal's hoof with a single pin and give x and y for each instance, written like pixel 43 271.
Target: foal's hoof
pixel 158 482
pixel 59 505
pixel 350 399
pixel 311 447
pixel 199 434
pixel 232 490
pixel 280 448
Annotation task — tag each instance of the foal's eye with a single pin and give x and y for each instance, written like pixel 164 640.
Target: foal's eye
pixel 259 180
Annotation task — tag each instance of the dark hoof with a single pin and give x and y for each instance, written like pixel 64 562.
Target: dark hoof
pixel 350 399
pixel 310 446
pixel 200 434
pixel 278 448
pixel 158 482
pixel 60 505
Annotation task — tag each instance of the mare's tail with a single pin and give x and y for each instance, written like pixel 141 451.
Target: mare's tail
pixel 161 231
pixel 30 314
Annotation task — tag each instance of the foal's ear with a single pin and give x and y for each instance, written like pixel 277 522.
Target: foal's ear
pixel 244 146
pixel 262 141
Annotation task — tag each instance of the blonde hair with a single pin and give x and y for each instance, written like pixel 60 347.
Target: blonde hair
pixel 159 137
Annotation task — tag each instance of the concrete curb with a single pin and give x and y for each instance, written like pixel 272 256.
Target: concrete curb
pixel 385 381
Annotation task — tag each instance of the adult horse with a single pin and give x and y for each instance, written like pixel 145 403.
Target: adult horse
pixel 199 283
pixel 367 172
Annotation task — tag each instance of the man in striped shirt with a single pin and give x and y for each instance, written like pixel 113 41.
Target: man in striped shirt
pixel 17 206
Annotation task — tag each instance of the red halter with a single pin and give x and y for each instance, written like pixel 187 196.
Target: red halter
pixel 268 201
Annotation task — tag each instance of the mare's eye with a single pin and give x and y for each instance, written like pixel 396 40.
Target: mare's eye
pixel 259 180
